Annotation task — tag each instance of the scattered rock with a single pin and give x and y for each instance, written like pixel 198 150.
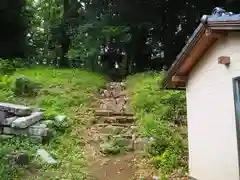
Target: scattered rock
pixel 46 157
pixel 19 158
pixel 60 118
pixel 24 122
pixel 156 178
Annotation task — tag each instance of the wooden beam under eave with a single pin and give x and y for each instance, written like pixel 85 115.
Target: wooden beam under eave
pixel 179 79
pixel 213 34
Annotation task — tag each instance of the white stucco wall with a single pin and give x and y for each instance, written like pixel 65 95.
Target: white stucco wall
pixel 213 153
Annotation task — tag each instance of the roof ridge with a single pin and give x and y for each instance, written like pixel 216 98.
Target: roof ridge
pixel 220 14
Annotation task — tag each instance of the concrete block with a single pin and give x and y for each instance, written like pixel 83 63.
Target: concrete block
pixel 5 137
pixel 2 116
pixel 24 122
pixel 8 121
pixel 18 110
pixel 38 130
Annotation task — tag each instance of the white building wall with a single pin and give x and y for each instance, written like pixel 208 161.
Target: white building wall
pixel 213 153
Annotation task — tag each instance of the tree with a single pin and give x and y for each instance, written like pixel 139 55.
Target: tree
pixel 13 28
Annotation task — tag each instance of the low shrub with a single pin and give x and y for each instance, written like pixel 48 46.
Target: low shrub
pixel 6 67
pixel 25 87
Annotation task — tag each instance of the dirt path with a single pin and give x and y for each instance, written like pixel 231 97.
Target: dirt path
pixel 113 147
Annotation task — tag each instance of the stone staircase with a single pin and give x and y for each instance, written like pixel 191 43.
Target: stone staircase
pixel 114 131
pixel 113 145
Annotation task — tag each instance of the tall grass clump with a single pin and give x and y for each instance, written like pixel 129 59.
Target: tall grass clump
pixel 162 118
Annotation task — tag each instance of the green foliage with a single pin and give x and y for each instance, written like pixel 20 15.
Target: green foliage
pixel 11 145
pixel 63 87
pixel 160 115
pixel 26 87
pixel 6 67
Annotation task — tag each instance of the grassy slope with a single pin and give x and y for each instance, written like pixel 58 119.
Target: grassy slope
pixel 157 111
pixel 64 92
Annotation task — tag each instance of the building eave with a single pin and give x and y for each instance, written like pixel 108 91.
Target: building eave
pixel 216 29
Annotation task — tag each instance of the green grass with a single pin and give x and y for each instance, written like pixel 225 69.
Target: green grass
pixel 159 113
pixel 66 92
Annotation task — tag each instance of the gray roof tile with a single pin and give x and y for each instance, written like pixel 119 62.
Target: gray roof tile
pixel 219 14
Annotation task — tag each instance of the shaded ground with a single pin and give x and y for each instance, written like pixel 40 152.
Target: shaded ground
pixel 113 147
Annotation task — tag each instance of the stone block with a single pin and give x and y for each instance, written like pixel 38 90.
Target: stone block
pixel 18 110
pixel 36 130
pixel 24 122
pixel 5 137
pixel 8 121
pixel 2 116
pixel 46 157
pixel 103 112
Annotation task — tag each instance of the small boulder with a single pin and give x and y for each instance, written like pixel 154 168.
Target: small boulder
pixel 46 157
pixel 19 158
pixel 60 123
pixel 60 118
pixel 110 148
pixel 156 178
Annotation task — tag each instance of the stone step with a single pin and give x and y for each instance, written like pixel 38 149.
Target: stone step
pixel 103 112
pixel 18 110
pixel 118 119
pixel 122 114
pixel 103 137
pixel 110 112
pixel 114 124
pixel 110 129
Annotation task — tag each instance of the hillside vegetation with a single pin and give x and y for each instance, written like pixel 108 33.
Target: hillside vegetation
pixel 64 92
pixel 161 117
